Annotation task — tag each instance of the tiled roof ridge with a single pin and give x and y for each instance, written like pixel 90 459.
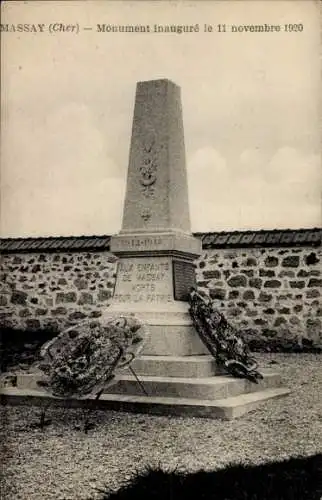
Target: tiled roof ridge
pixel 224 231
pixel 235 231
pixel 14 238
pixel 210 239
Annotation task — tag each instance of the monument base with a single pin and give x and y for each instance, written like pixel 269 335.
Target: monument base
pixel 226 397
pixel 171 330
pixel 154 276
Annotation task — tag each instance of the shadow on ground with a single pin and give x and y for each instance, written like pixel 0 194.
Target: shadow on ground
pixel 293 479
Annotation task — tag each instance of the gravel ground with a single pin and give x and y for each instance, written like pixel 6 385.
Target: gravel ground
pixel 63 463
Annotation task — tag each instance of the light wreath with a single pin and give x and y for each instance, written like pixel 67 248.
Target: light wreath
pixel 83 359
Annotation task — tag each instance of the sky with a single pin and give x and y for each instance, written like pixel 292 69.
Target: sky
pixel 251 110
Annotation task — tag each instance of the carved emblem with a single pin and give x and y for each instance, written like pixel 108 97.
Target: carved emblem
pixel 148 169
pixel 146 214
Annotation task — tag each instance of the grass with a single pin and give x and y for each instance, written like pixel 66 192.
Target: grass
pixel 60 462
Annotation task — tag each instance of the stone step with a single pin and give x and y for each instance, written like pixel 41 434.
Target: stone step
pixel 219 386
pixel 227 408
pixel 195 388
pixel 175 366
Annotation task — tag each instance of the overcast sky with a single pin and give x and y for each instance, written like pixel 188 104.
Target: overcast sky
pixel 251 110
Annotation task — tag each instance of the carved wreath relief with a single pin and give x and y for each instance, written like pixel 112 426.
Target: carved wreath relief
pixel 148 168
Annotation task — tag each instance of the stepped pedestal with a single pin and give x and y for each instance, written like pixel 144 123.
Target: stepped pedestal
pixel 207 396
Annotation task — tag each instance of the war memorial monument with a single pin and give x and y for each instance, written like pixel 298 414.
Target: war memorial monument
pixel 156 252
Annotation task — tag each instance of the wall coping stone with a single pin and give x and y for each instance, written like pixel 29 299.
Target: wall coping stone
pixel 225 239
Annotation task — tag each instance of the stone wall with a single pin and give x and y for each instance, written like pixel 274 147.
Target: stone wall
pixel 273 295
pixel 54 290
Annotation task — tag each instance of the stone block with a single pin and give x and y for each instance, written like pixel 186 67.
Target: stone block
pixel 269 332
pixel 234 312
pixel 248 272
pixel 174 340
pixel 251 261
pixel 272 284
pixel 211 274
pixel 217 284
pixel 264 297
pixel 241 304
pixel 41 312
pixel 297 284
pixel 59 311
pixel 67 298
pixel 251 313
pixel 208 388
pixel 271 261
pixel 280 321
pixel 19 298
pixel 311 259
pixel 268 273
pixel 313 325
pixel 237 281
pixel 3 300
pixel 217 293
pixel 255 283
pixel 313 294
pixel 284 310
pixel 260 321
pixel 80 284
pixel 202 284
pixel 85 298
pixel 269 310
pixel 23 313
pixel 302 273
pixel 76 316
pixel 314 282
pixel 314 272
pixel 291 261
pixel 175 366
pixel 95 314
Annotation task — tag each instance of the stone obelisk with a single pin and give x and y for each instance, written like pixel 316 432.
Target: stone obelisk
pixel 155 247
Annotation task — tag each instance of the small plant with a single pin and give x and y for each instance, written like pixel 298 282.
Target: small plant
pixel 43 422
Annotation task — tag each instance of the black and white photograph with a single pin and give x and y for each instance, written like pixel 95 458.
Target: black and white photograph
pixel 160 250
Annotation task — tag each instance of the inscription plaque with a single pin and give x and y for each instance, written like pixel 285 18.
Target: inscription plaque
pixel 184 278
pixel 147 280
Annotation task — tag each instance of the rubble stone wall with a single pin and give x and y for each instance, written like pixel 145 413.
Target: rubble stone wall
pixel 272 295
pixel 54 290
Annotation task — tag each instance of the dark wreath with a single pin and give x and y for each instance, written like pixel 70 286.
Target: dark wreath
pixel 221 339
